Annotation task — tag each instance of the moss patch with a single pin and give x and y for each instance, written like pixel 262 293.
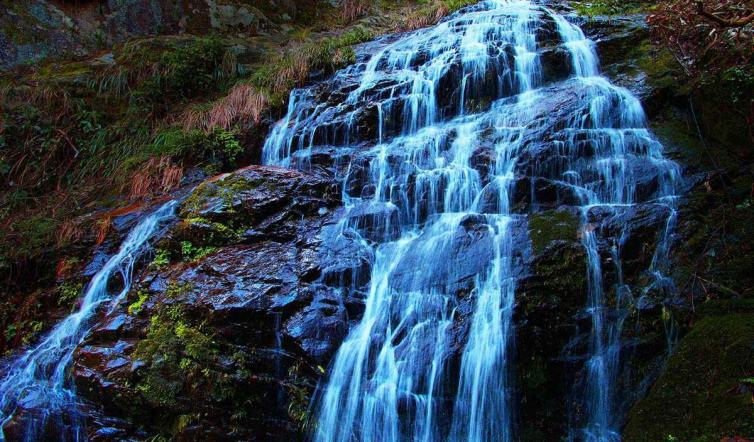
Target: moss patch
pixel 607 7
pixel 545 227
pixel 697 398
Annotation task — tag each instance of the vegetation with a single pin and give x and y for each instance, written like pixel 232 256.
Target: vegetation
pixel 78 138
pixel 545 227
pixel 700 396
pixel 608 7
pixel 713 41
pixel 178 355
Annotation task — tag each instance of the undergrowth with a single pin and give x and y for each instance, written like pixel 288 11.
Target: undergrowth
pixel 79 139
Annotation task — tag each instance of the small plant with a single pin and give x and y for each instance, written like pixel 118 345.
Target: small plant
pixel 10 332
pixel 187 71
pixel 68 292
pixel 180 358
pixel 161 259
pixel 218 146
pixel 176 290
pixel 193 253
pixel 135 308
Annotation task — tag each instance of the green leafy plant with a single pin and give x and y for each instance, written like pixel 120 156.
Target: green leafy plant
pixel 135 308
pixel 187 71
pixel 193 253
pixel 69 292
pixel 161 259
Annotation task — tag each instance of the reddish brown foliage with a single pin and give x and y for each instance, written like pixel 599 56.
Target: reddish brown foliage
pixel 353 9
pixel 242 104
pixel 103 227
pixel 157 174
pixel 70 232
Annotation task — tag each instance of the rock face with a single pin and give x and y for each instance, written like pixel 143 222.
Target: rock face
pixel 33 30
pixel 224 334
pixel 250 294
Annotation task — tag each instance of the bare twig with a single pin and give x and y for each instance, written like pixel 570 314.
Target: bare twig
pixel 736 22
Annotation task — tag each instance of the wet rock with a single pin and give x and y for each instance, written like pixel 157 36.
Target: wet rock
pixel 615 36
pixel 321 326
pixel 556 64
pixel 247 312
pixel 346 259
pixel 547 303
pixel 637 228
pixel 376 221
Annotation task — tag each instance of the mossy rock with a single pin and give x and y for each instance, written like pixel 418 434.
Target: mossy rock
pixel 221 192
pixel 552 225
pixel 201 232
pixel 698 397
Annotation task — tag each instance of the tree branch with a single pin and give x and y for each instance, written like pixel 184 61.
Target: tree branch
pixel 727 23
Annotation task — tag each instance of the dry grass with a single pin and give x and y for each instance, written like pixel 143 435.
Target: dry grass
pixel 102 228
pixel 353 9
pixel 37 94
pixel 425 18
pixel 171 177
pixel 243 103
pixel 70 232
pixel 157 174
pixel 432 14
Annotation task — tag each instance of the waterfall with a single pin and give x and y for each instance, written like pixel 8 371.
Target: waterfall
pixel 440 98
pixel 39 379
pixel 615 120
pixel 444 141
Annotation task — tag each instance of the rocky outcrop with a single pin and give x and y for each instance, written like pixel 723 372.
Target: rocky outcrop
pixel 34 30
pixel 229 329
pixel 224 333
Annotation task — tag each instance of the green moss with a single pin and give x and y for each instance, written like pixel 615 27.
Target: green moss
pixel 226 189
pixel 176 290
pixel 161 259
pixel 659 64
pixel 545 227
pixel 135 308
pixel 678 134
pixel 187 372
pixel 608 7
pixel 74 71
pixel 68 292
pixel 697 397
pixel 174 352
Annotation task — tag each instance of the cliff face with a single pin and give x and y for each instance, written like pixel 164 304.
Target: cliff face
pixel 234 319
pixel 36 30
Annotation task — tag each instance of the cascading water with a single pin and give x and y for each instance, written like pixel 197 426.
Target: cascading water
pixel 39 380
pixel 442 129
pixel 616 127
pixel 444 140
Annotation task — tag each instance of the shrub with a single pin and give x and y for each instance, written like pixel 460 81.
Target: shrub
pixel 219 145
pixel 185 72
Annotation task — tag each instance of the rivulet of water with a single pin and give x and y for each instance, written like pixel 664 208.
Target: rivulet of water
pixel 39 380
